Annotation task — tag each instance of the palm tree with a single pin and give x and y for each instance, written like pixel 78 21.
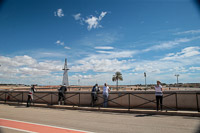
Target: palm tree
pixel 116 77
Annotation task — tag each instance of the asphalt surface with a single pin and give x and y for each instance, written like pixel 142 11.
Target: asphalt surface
pixel 100 122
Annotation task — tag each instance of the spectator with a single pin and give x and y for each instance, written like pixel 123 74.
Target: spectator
pixel 94 93
pixel 105 95
pixel 61 93
pixel 30 95
pixel 159 95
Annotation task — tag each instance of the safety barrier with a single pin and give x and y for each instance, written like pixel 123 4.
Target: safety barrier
pixel 172 100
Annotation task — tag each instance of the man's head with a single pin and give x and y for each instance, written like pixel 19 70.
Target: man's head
pixel 158 82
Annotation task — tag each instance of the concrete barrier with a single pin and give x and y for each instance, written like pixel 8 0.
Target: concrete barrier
pixel 172 100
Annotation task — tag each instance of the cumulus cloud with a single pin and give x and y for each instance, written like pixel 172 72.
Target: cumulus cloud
pixel 91 21
pixel 59 13
pixel 100 65
pixel 26 65
pixel 104 61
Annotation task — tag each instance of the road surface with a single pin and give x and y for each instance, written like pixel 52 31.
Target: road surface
pixel 33 119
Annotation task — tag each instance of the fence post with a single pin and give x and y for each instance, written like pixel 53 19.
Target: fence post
pixel 176 102
pixel 22 97
pixel 5 97
pixel 51 98
pixel 129 101
pixel 197 102
pixel 79 98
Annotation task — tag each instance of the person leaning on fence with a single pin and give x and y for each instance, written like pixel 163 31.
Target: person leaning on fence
pixel 159 95
pixel 61 93
pixel 106 90
pixel 30 95
pixel 94 94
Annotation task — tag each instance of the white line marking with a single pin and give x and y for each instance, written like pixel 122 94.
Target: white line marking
pixel 47 125
pixel 18 129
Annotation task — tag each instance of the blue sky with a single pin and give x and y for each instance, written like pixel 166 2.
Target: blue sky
pixel 99 37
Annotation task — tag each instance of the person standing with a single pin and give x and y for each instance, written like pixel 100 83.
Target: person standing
pixel 159 95
pixel 30 95
pixel 61 93
pixel 94 93
pixel 106 90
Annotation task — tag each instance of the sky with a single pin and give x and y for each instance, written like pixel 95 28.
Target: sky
pixel 99 38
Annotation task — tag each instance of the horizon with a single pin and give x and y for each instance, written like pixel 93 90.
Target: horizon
pixel 98 38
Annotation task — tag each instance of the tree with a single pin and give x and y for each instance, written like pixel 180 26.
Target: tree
pixel 117 77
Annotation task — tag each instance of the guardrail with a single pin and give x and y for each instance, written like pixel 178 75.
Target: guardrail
pixel 172 100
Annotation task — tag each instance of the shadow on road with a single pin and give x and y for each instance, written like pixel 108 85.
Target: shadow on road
pixel 144 115
pixel 198 129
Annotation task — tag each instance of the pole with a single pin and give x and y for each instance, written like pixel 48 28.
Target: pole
pixel 145 75
pixel 177 75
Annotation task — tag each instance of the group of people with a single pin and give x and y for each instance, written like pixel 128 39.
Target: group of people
pixel 106 89
pixel 61 97
pixel 94 95
pixel 95 91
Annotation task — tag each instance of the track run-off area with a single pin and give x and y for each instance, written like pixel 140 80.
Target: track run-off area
pixel 34 127
pixel 20 119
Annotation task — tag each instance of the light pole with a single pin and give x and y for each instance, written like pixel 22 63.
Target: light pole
pixel 145 75
pixel 177 75
pixel 79 82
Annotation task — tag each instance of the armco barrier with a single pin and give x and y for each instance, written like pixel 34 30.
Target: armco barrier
pixel 172 100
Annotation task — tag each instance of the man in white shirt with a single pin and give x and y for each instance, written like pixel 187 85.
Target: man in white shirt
pixel 159 95
pixel 105 95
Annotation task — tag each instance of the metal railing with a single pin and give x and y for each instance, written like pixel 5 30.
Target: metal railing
pixel 20 97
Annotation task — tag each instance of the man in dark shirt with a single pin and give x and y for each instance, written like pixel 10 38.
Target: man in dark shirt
pixel 61 93
pixel 94 93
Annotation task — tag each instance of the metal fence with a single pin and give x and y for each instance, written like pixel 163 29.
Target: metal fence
pixel 116 99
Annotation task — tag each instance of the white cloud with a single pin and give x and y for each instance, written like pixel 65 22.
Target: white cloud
pixel 59 13
pixel 111 55
pixel 104 48
pixel 26 65
pixel 168 45
pixel 100 65
pixel 185 53
pixel 17 61
pixel 104 62
pixel 77 16
pixel 104 52
pixel 58 42
pixel 92 21
pixel 194 68
pixel 102 15
pixel 67 47
pixel 188 32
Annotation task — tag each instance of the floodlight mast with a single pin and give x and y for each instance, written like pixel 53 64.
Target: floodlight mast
pixel 145 75
pixel 65 74
pixel 177 75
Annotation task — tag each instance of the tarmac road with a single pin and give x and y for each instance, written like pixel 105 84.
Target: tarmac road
pixel 100 122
